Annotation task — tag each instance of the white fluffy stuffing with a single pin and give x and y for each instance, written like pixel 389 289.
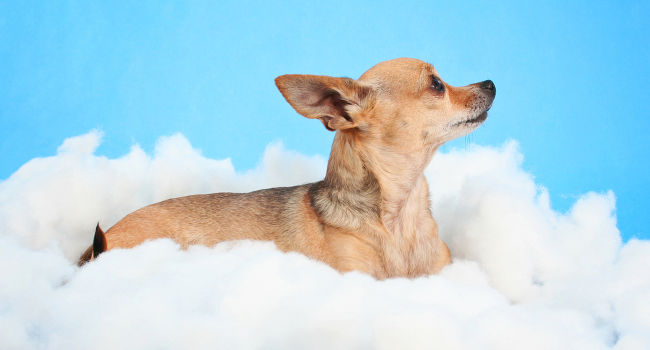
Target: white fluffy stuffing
pixel 524 276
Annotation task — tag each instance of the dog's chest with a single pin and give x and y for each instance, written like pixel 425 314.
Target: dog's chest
pixel 408 254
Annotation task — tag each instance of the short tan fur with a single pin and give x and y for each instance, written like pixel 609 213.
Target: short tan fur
pixel 371 213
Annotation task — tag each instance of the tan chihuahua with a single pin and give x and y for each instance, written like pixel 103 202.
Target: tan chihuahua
pixel 371 212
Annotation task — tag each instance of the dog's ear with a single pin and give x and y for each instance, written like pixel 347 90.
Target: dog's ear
pixel 337 102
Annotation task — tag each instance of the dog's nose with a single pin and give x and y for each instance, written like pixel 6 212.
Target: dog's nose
pixel 489 86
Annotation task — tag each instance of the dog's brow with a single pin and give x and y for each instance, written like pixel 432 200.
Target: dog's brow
pixel 425 72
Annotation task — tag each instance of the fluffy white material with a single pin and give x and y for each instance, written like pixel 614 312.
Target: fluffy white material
pixel 524 276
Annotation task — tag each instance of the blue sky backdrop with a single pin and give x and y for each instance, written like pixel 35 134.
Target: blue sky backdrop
pixel 573 79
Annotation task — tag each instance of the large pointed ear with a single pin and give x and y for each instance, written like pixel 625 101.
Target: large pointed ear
pixel 337 102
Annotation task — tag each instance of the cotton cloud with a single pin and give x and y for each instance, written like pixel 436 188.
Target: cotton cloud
pixel 524 276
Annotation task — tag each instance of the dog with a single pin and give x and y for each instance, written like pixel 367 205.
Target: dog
pixel 371 213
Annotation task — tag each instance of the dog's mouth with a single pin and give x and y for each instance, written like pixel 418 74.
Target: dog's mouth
pixel 474 121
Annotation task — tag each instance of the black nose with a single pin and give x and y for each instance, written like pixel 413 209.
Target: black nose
pixel 489 85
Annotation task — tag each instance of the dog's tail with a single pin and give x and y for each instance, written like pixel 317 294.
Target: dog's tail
pixel 99 246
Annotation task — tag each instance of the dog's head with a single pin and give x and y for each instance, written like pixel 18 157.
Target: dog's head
pixel 401 104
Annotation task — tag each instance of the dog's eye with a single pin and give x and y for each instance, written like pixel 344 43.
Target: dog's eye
pixel 436 84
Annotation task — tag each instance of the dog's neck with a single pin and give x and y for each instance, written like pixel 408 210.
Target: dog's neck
pixel 404 189
pixel 349 195
pixel 366 183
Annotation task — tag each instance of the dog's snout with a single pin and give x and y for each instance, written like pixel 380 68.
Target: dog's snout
pixel 489 86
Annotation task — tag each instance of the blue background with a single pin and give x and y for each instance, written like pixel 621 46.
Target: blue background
pixel 572 78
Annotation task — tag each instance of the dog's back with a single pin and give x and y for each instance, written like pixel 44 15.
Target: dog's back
pixel 283 215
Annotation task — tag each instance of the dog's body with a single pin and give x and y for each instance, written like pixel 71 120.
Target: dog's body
pixel 371 212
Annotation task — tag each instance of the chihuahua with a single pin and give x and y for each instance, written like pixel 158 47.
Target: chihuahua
pixel 371 213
